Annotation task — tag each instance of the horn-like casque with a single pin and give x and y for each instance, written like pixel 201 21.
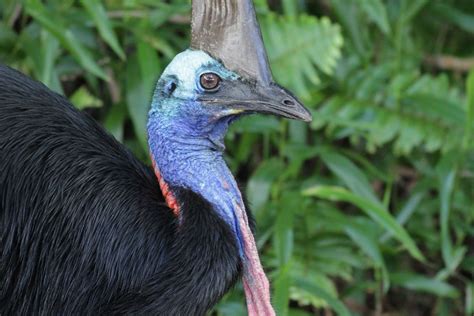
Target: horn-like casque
pixel 228 30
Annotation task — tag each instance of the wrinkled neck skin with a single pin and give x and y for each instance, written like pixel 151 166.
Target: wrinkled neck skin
pixel 195 161
pixel 187 149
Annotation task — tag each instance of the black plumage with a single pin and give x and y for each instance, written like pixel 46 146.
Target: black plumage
pixel 83 224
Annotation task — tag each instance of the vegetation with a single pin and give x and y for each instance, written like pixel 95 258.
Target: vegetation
pixel 370 209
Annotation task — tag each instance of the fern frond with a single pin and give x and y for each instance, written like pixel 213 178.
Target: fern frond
pixel 413 111
pixel 300 48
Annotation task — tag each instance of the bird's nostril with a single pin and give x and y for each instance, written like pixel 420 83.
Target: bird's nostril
pixel 288 102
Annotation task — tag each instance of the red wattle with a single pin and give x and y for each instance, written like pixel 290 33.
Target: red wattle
pixel 168 195
pixel 256 285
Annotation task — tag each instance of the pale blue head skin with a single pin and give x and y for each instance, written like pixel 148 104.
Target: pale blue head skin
pixel 186 137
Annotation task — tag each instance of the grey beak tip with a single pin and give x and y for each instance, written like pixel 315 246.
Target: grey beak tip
pixel 307 117
pixel 304 114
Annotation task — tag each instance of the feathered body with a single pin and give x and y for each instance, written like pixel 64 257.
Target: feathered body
pixel 84 228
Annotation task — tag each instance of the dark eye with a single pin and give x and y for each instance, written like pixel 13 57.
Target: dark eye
pixel 209 81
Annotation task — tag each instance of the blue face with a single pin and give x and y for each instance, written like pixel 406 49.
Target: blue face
pixel 197 96
pixel 176 105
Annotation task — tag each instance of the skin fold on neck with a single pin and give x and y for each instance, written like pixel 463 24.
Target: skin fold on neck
pixel 196 162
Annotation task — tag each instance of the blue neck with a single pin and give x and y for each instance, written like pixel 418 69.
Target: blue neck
pixel 194 160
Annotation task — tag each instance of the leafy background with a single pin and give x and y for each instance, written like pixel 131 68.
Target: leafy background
pixel 367 211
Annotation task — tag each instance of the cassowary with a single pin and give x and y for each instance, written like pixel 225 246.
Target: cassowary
pixel 86 228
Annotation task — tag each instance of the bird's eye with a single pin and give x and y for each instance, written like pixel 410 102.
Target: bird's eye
pixel 210 81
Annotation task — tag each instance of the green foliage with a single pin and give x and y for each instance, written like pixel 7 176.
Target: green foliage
pixel 369 206
pixel 316 48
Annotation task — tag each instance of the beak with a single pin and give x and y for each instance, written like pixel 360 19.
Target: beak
pixel 240 96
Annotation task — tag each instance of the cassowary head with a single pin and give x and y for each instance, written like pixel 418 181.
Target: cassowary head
pixel 197 96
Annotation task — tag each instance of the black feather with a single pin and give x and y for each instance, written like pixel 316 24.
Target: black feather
pixel 83 225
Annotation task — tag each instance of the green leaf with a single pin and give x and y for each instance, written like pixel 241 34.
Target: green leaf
pixel 335 304
pixel 283 235
pixel 65 36
pixel 50 52
pixel 375 9
pixel 294 311
pixel 290 7
pixel 436 107
pixel 421 283
pixel 115 120
pixel 282 285
pixel 350 174
pixel 457 256
pixel 410 207
pixel 164 11
pixel 232 308
pixel 470 298
pixel 83 99
pixel 365 237
pixel 407 211
pixel 98 14
pixel 317 46
pixel 447 170
pixel 469 130
pixel 348 15
pixel 462 19
pixel 257 124
pixel 376 212
pixel 143 69
pixel 429 112
pixel 43 49
pixel 261 5
pixel 411 8
pixel 367 164
pixel 259 185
